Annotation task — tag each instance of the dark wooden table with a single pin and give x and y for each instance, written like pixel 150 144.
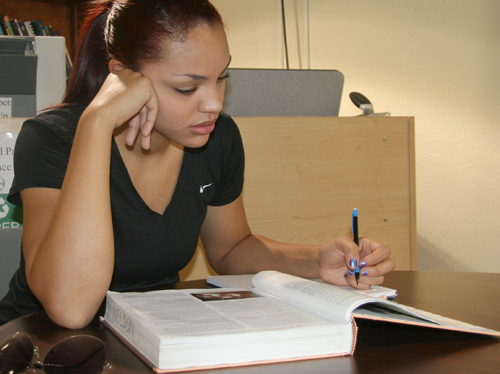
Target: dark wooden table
pixel 381 348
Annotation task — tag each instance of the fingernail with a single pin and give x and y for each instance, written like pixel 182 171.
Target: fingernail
pixel 345 275
pixel 354 263
pixel 363 263
pixel 364 273
pixel 351 273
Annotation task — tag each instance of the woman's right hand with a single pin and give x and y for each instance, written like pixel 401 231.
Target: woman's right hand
pixel 68 237
pixel 128 97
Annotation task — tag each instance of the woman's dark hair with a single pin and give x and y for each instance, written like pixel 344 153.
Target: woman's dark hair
pixel 133 32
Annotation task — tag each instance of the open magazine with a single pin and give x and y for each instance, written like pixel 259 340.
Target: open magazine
pixel 282 318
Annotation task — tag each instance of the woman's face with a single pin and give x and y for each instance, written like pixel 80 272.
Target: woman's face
pixel 190 83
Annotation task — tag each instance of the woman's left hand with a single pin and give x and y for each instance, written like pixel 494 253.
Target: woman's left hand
pixel 339 258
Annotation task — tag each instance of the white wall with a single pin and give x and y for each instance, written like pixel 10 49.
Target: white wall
pixel 435 60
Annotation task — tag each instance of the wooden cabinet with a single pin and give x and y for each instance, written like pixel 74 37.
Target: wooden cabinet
pixel 62 15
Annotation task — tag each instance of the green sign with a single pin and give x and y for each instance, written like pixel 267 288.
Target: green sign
pixel 10 215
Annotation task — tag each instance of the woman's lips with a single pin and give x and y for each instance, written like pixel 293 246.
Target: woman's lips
pixel 203 128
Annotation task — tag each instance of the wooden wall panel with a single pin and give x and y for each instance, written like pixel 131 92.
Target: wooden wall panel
pixel 304 175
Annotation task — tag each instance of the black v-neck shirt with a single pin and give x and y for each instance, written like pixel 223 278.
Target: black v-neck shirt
pixel 150 248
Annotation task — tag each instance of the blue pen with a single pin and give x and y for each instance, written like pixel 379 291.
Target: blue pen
pixel 355 235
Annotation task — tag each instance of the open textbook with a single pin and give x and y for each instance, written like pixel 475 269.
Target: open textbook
pixel 282 318
pixel 245 281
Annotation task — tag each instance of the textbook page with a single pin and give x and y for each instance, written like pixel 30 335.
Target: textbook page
pixel 413 316
pixel 314 297
pixel 207 312
pixel 321 297
pixel 324 298
pixel 245 281
pixel 223 326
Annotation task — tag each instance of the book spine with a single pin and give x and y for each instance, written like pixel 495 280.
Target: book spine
pixel 8 27
pixel 22 27
pixel 15 26
pixel 29 28
pixel 124 325
pixel 128 328
pixel 38 27
pixel 48 30
pixel 117 318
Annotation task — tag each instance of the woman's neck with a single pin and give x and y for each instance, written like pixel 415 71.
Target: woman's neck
pixel 154 172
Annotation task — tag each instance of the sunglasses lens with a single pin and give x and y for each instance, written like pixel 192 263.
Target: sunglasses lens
pixel 76 355
pixel 16 353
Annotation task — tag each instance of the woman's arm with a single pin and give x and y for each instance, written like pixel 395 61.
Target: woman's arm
pixel 68 234
pixel 67 237
pixel 231 248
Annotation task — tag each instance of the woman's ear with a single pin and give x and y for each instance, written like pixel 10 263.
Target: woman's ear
pixel 115 65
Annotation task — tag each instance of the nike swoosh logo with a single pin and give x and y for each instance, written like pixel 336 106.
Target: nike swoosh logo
pixel 202 188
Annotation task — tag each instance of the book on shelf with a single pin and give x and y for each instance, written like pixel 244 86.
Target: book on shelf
pixel 15 27
pixel 48 30
pixel 282 318
pixel 29 28
pixel 6 25
pixel 23 28
pixel 18 28
pixel 38 27
pixel 14 23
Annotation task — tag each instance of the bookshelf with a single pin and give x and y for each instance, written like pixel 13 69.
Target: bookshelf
pixel 63 15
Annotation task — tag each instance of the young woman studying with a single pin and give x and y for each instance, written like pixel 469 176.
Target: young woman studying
pixel 118 183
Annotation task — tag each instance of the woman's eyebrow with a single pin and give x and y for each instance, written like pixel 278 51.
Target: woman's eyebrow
pixel 197 77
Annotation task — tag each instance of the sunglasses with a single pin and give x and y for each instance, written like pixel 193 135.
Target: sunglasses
pixel 82 354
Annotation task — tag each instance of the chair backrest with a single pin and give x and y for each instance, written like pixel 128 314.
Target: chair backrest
pixel 10 256
pixel 280 92
pixel 10 216
pixel 304 176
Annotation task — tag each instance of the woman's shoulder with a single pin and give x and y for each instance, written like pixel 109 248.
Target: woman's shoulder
pixel 226 119
pixel 226 127
pixel 223 141
pixel 61 121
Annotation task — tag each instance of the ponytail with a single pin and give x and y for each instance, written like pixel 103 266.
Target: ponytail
pixel 91 63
